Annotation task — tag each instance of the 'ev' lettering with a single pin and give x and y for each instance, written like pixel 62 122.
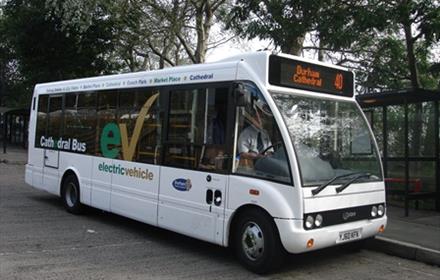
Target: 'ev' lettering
pixel 113 136
pixel 110 140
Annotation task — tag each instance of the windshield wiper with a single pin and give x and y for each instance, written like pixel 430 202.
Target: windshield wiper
pixel 323 186
pixel 344 186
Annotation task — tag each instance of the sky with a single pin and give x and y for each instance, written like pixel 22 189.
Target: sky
pixel 233 48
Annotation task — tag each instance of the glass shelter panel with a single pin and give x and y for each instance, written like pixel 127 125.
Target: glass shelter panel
pixel 424 171
pixel 396 131
pixel 376 123
pixel 421 130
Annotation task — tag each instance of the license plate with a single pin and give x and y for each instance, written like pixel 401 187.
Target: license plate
pixel 345 236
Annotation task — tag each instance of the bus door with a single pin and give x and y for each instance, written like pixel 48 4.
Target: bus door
pixel 192 203
pixel 51 152
pixel 193 178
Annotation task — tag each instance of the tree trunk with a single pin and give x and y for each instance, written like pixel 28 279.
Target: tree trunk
pixel 412 64
pixel 409 40
pixel 204 15
pixel 295 46
pixel 321 50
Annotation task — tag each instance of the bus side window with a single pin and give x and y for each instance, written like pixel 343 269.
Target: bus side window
pixel 107 102
pixel 55 117
pixel 196 129
pixel 260 148
pixel 148 150
pixel 214 155
pixel 41 119
pixel 132 102
pixel 80 119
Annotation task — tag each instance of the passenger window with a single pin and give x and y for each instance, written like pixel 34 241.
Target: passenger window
pixel 80 121
pixel 260 148
pixel 139 112
pixel 41 119
pixel 214 155
pixel 107 102
pixel 55 117
pixel 197 128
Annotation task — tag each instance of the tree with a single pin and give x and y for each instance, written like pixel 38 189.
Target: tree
pixel 395 38
pixel 42 51
pixel 188 21
pixel 173 31
pixel 285 22
pixel 387 42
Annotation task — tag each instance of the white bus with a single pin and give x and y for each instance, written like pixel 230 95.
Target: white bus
pixel 266 153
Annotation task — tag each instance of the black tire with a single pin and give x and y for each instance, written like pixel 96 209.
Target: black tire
pixel 70 194
pixel 257 243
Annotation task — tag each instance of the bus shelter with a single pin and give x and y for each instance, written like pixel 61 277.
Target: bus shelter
pixel 406 127
pixel 13 126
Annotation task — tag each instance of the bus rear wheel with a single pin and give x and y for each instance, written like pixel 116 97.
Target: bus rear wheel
pixel 70 195
pixel 257 243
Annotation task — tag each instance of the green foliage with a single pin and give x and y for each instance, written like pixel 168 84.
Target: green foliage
pixel 41 50
pixel 384 66
pixel 387 43
pixel 415 26
pixel 47 40
pixel 284 22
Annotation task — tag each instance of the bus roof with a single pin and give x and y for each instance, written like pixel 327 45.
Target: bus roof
pixel 223 70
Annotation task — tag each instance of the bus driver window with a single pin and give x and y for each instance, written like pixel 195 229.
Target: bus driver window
pixel 260 149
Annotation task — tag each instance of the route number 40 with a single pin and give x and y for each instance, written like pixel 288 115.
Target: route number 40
pixel 339 81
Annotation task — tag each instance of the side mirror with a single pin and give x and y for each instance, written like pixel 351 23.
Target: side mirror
pixel 242 95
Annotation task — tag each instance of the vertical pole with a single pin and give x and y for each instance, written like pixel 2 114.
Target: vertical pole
pixel 437 152
pixel 5 131
pixel 385 141
pixel 25 132
pixel 406 160
pixel 9 131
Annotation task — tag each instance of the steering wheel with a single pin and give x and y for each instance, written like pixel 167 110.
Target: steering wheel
pixel 277 144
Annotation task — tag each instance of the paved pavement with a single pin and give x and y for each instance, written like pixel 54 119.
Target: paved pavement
pixel 35 230
pixel 13 155
pixel 40 240
pixel 416 237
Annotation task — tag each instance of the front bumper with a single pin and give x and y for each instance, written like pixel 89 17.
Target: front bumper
pixel 294 237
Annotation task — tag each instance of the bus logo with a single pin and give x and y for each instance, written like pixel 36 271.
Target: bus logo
pixel 114 136
pixel 348 215
pixel 182 185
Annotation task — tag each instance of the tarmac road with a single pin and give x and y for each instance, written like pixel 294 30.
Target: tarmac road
pixel 39 240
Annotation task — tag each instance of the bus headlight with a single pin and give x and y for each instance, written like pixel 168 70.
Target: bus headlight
pixel 318 220
pixel 309 221
pixel 380 210
pixel 373 211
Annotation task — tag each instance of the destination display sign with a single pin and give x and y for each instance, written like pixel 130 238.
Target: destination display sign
pixel 298 74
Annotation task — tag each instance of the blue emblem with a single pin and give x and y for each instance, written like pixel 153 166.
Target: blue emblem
pixel 182 185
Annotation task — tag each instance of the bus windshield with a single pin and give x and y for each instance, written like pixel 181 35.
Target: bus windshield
pixel 330 137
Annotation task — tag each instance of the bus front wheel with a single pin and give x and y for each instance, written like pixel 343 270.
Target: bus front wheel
pixel 257 243
pixel 70 195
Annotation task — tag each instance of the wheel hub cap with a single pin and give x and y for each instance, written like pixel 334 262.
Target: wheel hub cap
pixel 71 195
pixel 253 241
